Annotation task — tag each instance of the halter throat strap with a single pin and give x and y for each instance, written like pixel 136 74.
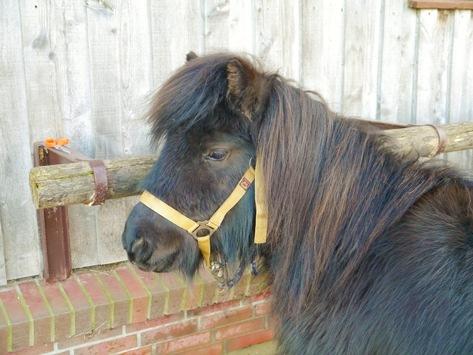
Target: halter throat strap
pixel 201 230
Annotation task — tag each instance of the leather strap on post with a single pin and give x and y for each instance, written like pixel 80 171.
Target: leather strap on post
pixel 101 182
pixel 442 139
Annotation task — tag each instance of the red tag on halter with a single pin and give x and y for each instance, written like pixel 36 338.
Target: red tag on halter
pixel 245 183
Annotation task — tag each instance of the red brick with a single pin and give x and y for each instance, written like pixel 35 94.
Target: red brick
pixel 226 317
pixel 97 334
pixel 262 308
pixel 216 349
pixel 240 328
pixel 240 289
pixel 263 296
pixel 259 284
pixel 107 347
pixel 43 322
pixel 210 287
pixel 144 350
pixel 213 308
pixel 34 350
pixel 137 292
pixel 18 318
pixel 153 323
pixel 83 310
pixel 120 298
pixel 194 293
pixel 192 341
pixel 169 331
pixel 177 290
pixel 248 340
pixel 4 331
pixel 62 314
pixel 103 306
pixel 157 289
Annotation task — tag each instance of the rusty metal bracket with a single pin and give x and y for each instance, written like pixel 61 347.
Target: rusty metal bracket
pixel 53 222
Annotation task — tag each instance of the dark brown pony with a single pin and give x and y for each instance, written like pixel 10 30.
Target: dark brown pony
pixel 368 253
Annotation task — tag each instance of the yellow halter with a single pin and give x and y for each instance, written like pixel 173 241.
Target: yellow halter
pixel 203 230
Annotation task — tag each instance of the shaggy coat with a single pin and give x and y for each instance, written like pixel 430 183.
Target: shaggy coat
pixel 368 252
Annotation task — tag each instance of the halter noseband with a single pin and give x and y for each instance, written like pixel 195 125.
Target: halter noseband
pixel 201 231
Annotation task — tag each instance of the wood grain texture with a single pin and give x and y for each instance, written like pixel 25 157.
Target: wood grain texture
pixel 17 214
pixel 278 36
pixel 323 49
pixel 363 34
pixel 103 23
pixel 397 71
pixel 72 64
pixel 434 63
pixel 177 27
pixel 442 4
pixel 229 25
pixel 461 81
pixel 65 184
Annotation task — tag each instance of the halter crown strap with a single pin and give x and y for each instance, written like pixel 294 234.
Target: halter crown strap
pixel 261 222
pixel 203 230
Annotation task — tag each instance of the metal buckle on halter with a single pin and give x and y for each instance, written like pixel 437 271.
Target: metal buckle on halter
pixel 205 229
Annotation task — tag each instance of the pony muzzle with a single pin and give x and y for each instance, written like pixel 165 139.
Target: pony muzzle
pixel 202 231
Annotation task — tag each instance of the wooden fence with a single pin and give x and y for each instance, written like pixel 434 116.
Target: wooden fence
pixel 84 68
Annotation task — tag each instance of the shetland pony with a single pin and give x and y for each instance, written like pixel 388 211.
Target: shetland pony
pixel 368 252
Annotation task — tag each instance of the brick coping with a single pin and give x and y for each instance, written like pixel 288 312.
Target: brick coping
pixel 92 303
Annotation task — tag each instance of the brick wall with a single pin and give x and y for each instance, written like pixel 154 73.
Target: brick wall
pixel 124 310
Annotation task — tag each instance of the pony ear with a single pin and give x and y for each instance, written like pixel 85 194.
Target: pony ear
pixel 191 56
pixel 246 88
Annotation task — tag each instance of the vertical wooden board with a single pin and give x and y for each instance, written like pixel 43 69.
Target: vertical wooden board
pixel 229 25
pixel 177 27
pixel 461 87
pixel 216 25
pixel 397 63
pixel 17 214
pixel 135 81
pixel 136 78
pixel 37 23
pixel 69 50
pixel 3 274
pixel 322 49
pixel 103 26
pixel 363 44
pixel 241 32
pixel 71 58
pixel 278 36
pixel 103 23
pixel 113 215
pixel 434 61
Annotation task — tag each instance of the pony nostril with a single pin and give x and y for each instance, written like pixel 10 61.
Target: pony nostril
pixel 131 256
pixel 138 243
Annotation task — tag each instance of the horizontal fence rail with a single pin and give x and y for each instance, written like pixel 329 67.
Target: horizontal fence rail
pixel 66 184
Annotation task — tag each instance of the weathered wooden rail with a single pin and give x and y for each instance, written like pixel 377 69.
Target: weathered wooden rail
pixel 66 184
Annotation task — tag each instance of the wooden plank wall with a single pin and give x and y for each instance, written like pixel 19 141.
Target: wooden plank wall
pixel 85 68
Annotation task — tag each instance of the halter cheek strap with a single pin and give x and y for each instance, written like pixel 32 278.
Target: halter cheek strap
pixel 203 230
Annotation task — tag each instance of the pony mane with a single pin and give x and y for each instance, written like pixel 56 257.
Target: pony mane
pixel 332 192
pixel 190 96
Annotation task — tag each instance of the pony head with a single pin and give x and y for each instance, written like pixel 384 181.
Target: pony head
pixel 206 118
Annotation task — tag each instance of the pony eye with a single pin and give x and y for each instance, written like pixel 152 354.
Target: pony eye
pixel 216 155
